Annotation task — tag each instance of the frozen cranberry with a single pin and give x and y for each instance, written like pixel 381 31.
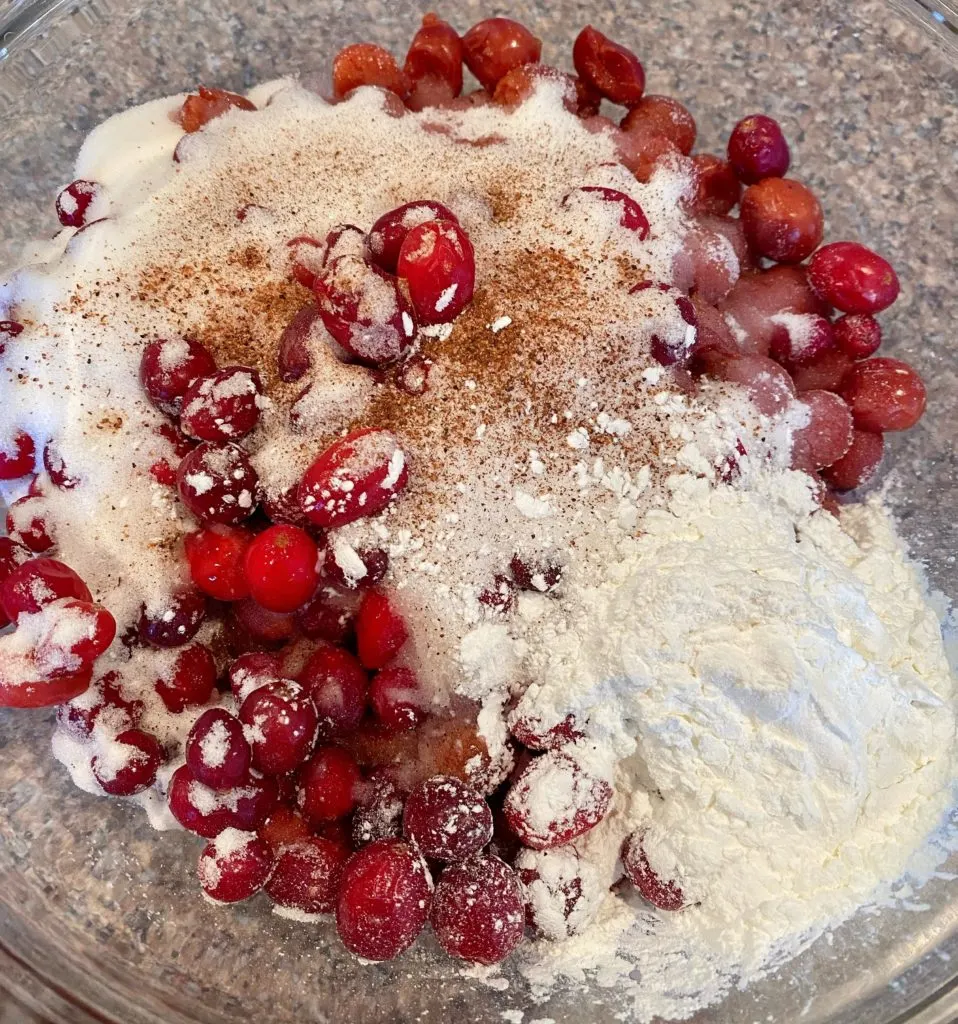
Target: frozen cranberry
pixel 535 575
pixel 517 85
pixel 768 385
pixel 670 319
pixel 828 434
pixel 104 705
pixel 222 406
pixel 387 235
pixel 218 484
pixel 608 67
pixel 497 45
pixel 757 149
pixel 217 556
pixel 632 216
pixel 250 671
pixel 74 201
pixel 54 465
pixel 168 367
pixel 128 764
pixel 346 566
pixel 173 621
pixel 293 356
pixel 330 615
pixel 857 335
pixel 663 115
pixel 397 699
pixel 384 899
pixel 281 568
pixel 663 893
pixel 216 750
pixel 367 64
pixel 531 732
pixel 27 525
pixel 823 373
pixel 357 476
pixel 562 898
pixel 206 812
pixel 478 911
pixel 81 630
pixel 307 875
pixel 328 785
pixel 380 630
pixel 539 817
pixel 280 722
pixel 859 464
pixel 717 189
pixel 783 220
pixel 284 827
pixel 235 866
pixel 161 470
pixel 282 506
pixel 203 106
pixel 17 456
pixel 36 583
pixel 884 394
pixel 435 54
pixel 430 92
pixel 447 819
pixel 307 259
pixel 188 680
pixel 800 338
pixel 438 264
pixel 338 685
pixel 261 626
pixel 852 278
pixel 379 814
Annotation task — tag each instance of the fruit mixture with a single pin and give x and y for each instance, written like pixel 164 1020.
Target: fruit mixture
pixel 329 456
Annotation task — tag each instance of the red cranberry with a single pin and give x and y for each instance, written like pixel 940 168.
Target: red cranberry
pixel 338 685
pixel 261 627
pixel 250 671
pixel 768 385
pixel 216 750
pixel 206 104
pixel 384 899
pixel 307 259
pixel 561 899
pixel 859 464
pixel 222 406
pixel 672 319
pixel 478 911
pixel 857 335
pixel 663 893
pixel 281 568
pixel 329 616
pixel 280 723
pixel 284 827
pixel 168 367
pixel 367 64
pixel 387 235
pixel 307 875
pixel 218 484
pixel 345 566
pixel 379 814
pixel 235 866
pixel 358 476
pixel 129 763
pixel 161 470
pixel 435 54
pixel 207 812
pixel 517 85
pixel 632 217
pixel 175 621
pixel 17 456
pixel 608 67
pixel 662 115
pixel 31 586
pixel 823 373
pixel 447 819
pixel 783 220
pixel 380 630
pixel 531 733
pixel 884 394
pixel 497 45
pixel 717 189
pixel 438 264
pixel 397 699
pixel 293 356
pixel 757 149
pixel 189 679
pixel 828 434
pixel 852 278
pixel 539 817
pixel 104 705
pixel 53 464
pixel 217 561
pixel 74 201
pixel 328 785
pixel 27 525
pixel 800 339
pixel 81 630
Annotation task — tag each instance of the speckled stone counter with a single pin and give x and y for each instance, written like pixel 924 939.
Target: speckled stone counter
pixel 101 905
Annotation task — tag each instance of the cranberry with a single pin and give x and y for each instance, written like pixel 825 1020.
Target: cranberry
pixel 356 477
pixel 329 616
pixel 17 457
pixel 662 115
pixel 562 899
pixel 235 866
pixel 384 899
pixel 671 320
pixel 801 339
pixel 438 264
pixel 328 785
pixel 531 732
pixel 823 373
pixel 539 818
pixel 517 85
pixel 768 385
pixel 632 216
pixel 435 54
pixel 8 329
pixel 307 875
pixel 828 434
pixel 307 259
pixel 338 685
pixel 859 464
pixel 757 149
pixel 380 630
pixel 397 699
pixel 280 723
pixel 478 911
pixel 379 814
pixel 367 64
pixel 782 219
pixel 104 705
pixel 161 470
pixel 495 46
pixel 852 278
pixel 222 406
pixel 81 629
pixel 188 680
pixel 54 465
pixel 260 626
pixel 27 525
pixel 217 557
pixel 174 621
pixel 168 367
pixel 250 671
pixel 281 568
pixel 284 827
pixel 387 235
pixel 430 92
pixel 663 893
pixel 201 107
pixel 218 484
pixel 207 812
pixel 857 335
pixel 344 240
pixel 293 357
pixel 884 394
pixel 216 750
pixel 31 586
pixel 447 819
pixel 128 764
pixel 25 683
pixel 717 189
pixel 608 67
pixel 345 566
pixel 74 201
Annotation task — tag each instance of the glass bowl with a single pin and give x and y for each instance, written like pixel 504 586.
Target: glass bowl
pixel 99 919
